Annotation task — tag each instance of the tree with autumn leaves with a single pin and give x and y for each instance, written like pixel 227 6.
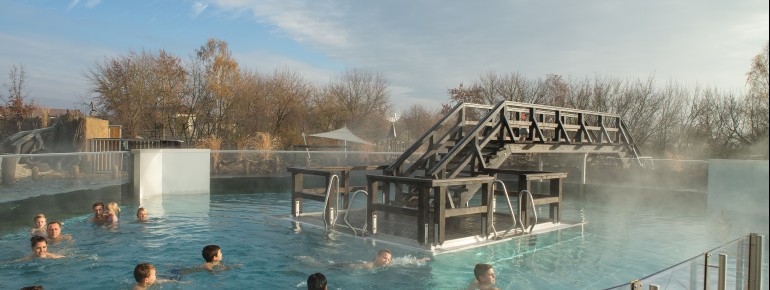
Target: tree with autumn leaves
pixel 211 96
pixel 14 108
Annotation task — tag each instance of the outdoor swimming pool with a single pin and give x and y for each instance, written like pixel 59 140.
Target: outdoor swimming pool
pixel 617 244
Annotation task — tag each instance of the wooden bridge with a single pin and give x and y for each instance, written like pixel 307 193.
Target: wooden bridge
pixel 427 194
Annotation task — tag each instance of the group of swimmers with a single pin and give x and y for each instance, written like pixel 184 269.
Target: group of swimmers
pixel 145 273
pixel 110 217
pixel 44 232
pixel 484 273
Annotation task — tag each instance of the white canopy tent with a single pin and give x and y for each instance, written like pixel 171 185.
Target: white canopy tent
pixel 342 134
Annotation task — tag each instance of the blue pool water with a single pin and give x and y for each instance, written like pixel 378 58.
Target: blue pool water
pixel 617 244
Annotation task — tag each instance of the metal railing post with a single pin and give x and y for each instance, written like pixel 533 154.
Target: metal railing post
pixel 721 281
pixel 706 276
pixel 755 261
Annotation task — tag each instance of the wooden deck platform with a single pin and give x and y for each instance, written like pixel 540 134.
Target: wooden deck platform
pixel 399 230
pixel 421 213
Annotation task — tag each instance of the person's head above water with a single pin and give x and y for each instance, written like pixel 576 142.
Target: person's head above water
pixel 113 208
pixel 316 281
pixel 53 229
pixel 40 221
pixel 484 273
pixel 35 240
pixel 383 258
pixel 98 209
pixel 141 214
pixel 212 253
pixel 144 274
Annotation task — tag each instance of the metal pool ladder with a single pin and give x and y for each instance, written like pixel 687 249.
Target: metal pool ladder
pixel 513 214
pixel 330 222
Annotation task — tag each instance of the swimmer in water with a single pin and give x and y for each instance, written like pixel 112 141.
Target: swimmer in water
pixel 39 228
pixel 485 278
pixel 39 250
pixel 145 276
pixel 113 212
pixel 54 233
pixel 383 258
pixel 141 214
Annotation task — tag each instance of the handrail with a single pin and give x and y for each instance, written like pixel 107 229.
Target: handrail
pixel 510 207
pixel 534 210
pixel 465 141
pixel 347 212
pixel 562 109
pixel 417 144
pixel 326 201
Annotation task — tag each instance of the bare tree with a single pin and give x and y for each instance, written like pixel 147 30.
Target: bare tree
pixel 464 94
pixel 15 108
pixel 514 87
pixel 141 91
pixel 415 122
pixel 757 98
pixel 363 100
pixel 273 104
pixel 489 85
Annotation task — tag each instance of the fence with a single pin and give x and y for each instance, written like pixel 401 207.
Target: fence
pixel 111 162
pixel 735 265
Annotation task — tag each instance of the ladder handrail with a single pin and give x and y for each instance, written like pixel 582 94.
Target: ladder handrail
pixel 510 207
pixel 347 212
pixel 326 200
pixel 534 210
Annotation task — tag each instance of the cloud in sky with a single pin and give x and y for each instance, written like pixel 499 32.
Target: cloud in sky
pixel 423 47
pixel 198 8
pixel 426 47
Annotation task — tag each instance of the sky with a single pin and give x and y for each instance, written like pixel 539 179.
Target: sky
pixel 423 48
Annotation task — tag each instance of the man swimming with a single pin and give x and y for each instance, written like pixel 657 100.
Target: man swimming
pixel 485 278
pixel 98 209
pixel 54 233
pixel 383 258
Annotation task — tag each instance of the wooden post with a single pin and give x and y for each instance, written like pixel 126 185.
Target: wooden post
pixel 345 187
pixel 423 215
pixel 439 214
pixel 296 191
pixel 372 187
pixel 555 208
pixel 487 199
pixel 386 195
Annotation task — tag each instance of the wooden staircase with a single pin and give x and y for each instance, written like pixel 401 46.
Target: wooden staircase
pixel 472 138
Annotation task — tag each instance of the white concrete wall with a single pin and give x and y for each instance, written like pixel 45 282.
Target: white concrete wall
pixel 163 173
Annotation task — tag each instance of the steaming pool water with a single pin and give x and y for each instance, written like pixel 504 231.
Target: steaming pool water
pixel 617 244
